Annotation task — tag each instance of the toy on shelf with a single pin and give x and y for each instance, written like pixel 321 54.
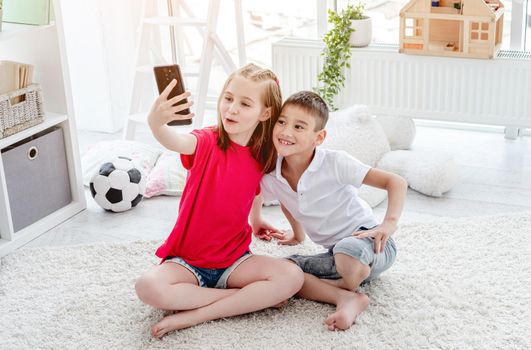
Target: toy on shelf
pixel 454 28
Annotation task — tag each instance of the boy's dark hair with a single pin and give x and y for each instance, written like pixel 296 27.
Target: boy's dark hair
pixel 311 103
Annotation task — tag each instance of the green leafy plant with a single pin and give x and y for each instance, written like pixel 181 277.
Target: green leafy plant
pixel 337 52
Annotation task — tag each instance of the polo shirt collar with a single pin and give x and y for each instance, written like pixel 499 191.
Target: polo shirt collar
pixel 278 168
pixel 315 164
pixel 317 160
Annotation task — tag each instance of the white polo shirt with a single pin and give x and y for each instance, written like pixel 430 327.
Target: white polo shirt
pixel 326 203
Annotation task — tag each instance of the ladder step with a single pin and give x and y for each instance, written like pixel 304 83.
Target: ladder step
pixel 138 118
pixel 141 118
pixel 187 72
pixel 173 21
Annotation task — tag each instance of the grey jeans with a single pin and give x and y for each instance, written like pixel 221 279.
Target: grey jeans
pixel 362 249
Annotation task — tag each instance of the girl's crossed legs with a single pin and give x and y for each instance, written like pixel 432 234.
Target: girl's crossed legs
pixel 257 283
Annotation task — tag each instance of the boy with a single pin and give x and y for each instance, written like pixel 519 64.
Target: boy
pixel 317 189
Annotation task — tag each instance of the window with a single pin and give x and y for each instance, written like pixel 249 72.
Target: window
pixel 413 28
pixel 479 31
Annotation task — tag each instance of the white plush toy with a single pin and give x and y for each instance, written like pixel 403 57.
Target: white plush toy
pixel 384 143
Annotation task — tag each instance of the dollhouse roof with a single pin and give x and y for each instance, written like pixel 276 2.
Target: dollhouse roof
pixel 470 7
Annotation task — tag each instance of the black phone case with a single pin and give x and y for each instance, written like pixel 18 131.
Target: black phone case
pixel 164 75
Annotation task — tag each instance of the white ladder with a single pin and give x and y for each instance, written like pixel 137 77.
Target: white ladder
pixel 149 51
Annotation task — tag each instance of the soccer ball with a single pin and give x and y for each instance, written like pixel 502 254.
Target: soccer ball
pixel 118 185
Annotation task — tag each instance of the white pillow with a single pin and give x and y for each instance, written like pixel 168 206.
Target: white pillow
pixel 400 131
pixel 356 132
pixel 168 177
pixel 144 156
pixel 426 172
pixel 372 195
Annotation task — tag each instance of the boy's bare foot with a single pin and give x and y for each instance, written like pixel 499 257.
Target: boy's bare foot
pixel 347 309
pixel 175 321
pixel 339 283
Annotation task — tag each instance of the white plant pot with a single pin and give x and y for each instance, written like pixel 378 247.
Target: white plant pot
pixel 362 34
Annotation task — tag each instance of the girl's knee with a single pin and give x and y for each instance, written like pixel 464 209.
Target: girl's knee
pixel 292 277
pixel 147 289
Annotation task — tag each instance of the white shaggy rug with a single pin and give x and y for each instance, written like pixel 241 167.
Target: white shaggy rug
pixel 456 284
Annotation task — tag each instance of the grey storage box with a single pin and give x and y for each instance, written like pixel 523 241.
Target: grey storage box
pixel 36 177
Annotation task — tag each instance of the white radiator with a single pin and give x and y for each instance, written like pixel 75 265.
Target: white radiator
pixel 494 92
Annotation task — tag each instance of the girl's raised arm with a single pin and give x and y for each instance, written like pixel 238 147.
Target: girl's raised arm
pixel 162 112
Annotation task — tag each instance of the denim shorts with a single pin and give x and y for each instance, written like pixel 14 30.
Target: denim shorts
pixel 362 249
pixel 211 278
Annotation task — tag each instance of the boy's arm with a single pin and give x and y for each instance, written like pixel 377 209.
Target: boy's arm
pixel 162 112
pixel 261 228
pixel 297 235
pixel 396 188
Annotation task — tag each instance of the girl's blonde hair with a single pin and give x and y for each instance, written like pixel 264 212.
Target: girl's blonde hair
pixel 261 141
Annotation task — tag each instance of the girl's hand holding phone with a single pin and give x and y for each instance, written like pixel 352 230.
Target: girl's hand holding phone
pixel 165 111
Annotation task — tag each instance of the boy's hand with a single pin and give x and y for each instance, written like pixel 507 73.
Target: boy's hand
pixel 287 237
pixel 163 110
pixel 380 234
pixel 265 231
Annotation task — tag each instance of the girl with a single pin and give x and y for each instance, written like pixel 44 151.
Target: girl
pixel 209 244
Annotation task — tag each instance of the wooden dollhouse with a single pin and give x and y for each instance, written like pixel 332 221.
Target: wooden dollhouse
pixel 456 28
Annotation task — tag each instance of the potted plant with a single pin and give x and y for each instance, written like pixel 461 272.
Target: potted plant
pixel 362 25
pixel 336 53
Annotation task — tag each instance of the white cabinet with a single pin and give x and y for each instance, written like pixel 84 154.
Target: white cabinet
pixel 43 47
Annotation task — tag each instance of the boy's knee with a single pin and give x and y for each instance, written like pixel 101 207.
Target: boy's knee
pixel 353 271
pixel 360 250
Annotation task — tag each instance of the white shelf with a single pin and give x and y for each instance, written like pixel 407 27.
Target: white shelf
pixel 50 119
pixel 43 47
pixel 34 230
pixel 12 30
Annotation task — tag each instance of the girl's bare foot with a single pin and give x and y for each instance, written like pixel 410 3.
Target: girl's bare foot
pixel 281 304
pixel 175 321
pixel 347 309
pixel 184 319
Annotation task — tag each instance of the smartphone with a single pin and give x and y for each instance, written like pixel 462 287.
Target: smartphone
pixel 164 75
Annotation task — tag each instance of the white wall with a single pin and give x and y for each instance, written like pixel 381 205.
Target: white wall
pixel 47 67
pixel 100 40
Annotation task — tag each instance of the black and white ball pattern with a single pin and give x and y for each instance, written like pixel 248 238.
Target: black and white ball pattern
pixel 118 185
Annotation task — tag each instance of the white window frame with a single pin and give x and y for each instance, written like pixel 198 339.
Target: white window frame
pixel 518 24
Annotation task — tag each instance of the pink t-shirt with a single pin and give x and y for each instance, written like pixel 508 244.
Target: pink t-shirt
pixel 212 228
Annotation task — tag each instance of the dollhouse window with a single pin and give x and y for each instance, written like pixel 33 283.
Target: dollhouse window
pixel 413 28
pixel 479 31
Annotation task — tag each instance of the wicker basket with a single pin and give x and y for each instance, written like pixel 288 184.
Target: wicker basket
pixel 22 115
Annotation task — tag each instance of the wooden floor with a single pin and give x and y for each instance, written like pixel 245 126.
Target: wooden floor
pixel 495 178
